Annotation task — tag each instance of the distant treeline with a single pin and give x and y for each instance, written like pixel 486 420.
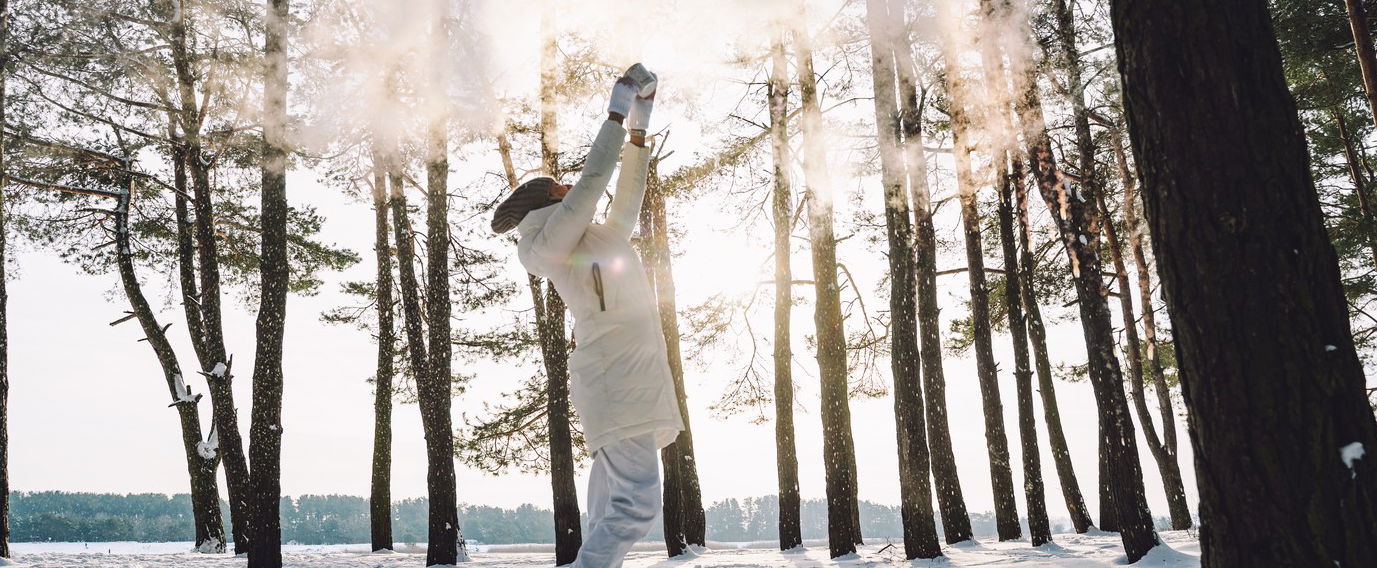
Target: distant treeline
pixel 54 516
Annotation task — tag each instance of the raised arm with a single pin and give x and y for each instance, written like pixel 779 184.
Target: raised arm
pixel 573 215
pixel 626 202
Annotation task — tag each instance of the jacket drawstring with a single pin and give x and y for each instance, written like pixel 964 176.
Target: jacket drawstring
pixel 597 286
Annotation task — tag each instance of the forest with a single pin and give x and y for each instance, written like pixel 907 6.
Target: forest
pixel 343 519
pixel 1162 202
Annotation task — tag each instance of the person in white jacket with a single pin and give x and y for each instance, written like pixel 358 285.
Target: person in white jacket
pixel 621 384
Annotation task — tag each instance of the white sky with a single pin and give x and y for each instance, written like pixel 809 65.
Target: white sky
pixel 89 405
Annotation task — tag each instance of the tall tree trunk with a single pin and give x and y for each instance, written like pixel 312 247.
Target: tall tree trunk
pixel 445 541
pixel 445 544
pixel 1078 224
pixel 404 237
pixel 1367 56
pixel 550 322
pixel 265 445
pixel 208 334
pixel 1039 528
pixel 1163 450
pixel 380 492
pixel 1166 463
pixel 997 444
pixel 951 501
pixel 915 487
pixel 201 461
pixel 1135 241
pixel 1051 411
pixel 4 301
pixel 681 470
pixel 839 447
pixel 1355 171
pixel 781 209
pixel 1269 370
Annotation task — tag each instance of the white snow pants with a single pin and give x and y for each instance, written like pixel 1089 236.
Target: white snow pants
pixel 623 500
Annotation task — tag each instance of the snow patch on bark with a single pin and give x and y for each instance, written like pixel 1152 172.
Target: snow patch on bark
pixel 208 448
pixel 183 391
pixel 1352 453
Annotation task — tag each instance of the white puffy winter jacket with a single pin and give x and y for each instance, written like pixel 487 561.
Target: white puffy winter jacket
pixel 621 383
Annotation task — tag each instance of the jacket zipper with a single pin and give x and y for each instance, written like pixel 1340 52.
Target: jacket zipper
pixel 597 287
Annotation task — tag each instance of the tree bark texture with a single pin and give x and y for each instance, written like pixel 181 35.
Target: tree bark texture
pixel 380 490
pixel 435 388
pixel 839 448
pixel 1355 172
pixel 205 494
pixel 1167 463
pixel 1051 411
pixel 997 444
pixel 1362 46
pixel 208 336
pixel 550 318
pixel 265 437
pixel 1039 528
pixel 781 209
pixel 920 530
pixel 679 455
pixel 4 303
pixel 951 501
pixel 1272 383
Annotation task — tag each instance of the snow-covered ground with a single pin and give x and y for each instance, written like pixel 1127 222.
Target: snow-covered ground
pixel 1070 551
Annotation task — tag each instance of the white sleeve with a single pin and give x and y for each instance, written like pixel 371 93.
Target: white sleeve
pixel 571 218
pixel 631 185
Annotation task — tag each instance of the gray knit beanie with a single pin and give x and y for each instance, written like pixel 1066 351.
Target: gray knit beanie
pixel 530 196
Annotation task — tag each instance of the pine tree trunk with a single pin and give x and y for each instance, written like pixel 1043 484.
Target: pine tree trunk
pixel 1166 463
pixel 951 501
pixel 1078 223
pixel 1269 370
pixel 265 437
pixel 786 455
pixel 1051 412
pixel 1039 528
pixel 208 331
pixel 1082 224
pixel 1355 171
pixel 690 497
pixel 205 494
pixel 1135 240
pixel 915 487
pixel 186 247
pixel 554 351
pixel 4 300
pixel 404 238
pixel 684 519
pixel 997 444
pixel 380 491
pixel 1163 453
pixel 839 448
pixel 435 388
pixel 1367 56
pixel 550 321
pixel 422 361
